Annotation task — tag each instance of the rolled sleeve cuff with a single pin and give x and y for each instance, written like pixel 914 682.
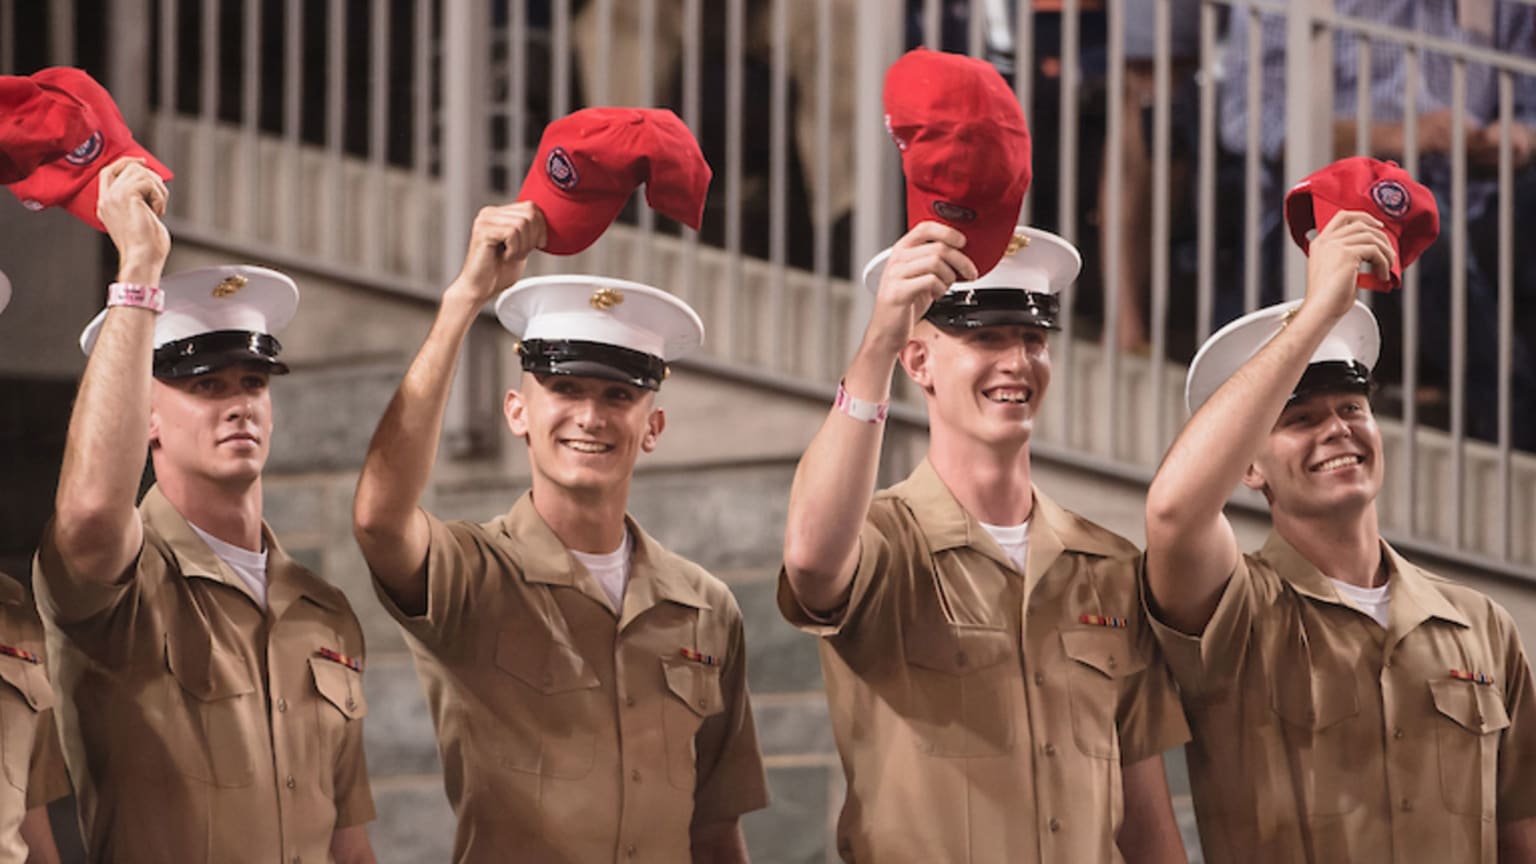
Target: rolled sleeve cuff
pixel 836 621
pixel 1195 659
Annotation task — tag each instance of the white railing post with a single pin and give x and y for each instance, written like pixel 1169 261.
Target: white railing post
pixel 128 60
pixel 878 206
pixel 1308 111
pixel 465 58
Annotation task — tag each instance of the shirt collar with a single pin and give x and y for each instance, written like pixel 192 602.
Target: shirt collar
pixel 946 525
pixel 287 580
pixel 1412 590
pixel 654 575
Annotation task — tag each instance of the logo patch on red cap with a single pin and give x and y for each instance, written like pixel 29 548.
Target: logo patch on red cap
pixel 1391 197
pixel 560 170
pixel 88 152
pixel 953 212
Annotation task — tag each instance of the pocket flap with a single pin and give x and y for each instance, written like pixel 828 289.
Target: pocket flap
pixel 533 657
pixel 340 686
pixel 29 679
pixel 958 649
pixel 1105 649
pixel 1478 708
pixel 696 685
pixel 206 671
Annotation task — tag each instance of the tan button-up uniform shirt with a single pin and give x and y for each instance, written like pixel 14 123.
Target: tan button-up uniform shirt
pixel 197 727
pixel 1319 736
pixel 983 715
pixel 569 732
pixel 29 748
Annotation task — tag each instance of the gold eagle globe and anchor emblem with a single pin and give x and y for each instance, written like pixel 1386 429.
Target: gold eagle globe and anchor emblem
pixel 604 299
pixel 230 286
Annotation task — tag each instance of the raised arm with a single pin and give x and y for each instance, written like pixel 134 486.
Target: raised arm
pixel 386 516
pixel 98 532
pixel 835 480
pixel 1191 550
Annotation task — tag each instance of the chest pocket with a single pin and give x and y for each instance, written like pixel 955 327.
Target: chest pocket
pixel 24 692
pixel 1318 709
pixel 1102 657
pixel 693 696
pixel 1467 732
pixel 552 731
pixel 341 687
pixel 214 729
pixel 961 682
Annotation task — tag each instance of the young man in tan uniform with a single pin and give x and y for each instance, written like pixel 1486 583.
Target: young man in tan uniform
pixel 588 686
pixel 1347 705
pixel 29 748
pixel 994 692
pixel 210 687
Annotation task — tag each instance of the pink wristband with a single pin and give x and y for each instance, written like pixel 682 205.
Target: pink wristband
pixel 142 296
pixel 858 409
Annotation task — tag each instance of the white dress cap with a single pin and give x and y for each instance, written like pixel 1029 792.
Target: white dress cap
pixel 1021 289
pixel 1036 261
pixel 238 297
pixel 1356 338
pixel 566 316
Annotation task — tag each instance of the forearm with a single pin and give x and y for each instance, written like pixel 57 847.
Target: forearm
pixel 108 437
pixel 404 447
pixel 1150 833
pixel 350 845
pixel 833 485
pixel 719 843
pixel 37 833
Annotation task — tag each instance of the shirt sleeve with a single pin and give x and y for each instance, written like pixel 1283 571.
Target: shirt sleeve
pixel 46 778
pixel 875 557
pixel 729 764
pixel 69 598
pixel 1517 749
pixel 1205 662
pixel 458 557
pixel 1149 717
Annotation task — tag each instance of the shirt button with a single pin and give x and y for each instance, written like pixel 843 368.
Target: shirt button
pixel 1050 749
pixel 290 782
pixel 635 775
pixel 1398 732
pixel 282 705
pixel 295 859
pixel 1039 679
pixel 1407 806
pixel 1112 663
pixel 1055 824
pixel 630 850
pixel 630 701
pixel 351 704
pixel 960 658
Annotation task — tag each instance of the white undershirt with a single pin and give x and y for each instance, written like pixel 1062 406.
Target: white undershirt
pixel 611 570
pixel 250 566
pixel 1371 601
pixel 1015 541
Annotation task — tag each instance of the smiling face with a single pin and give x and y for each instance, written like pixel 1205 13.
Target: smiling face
pixel 1322 458
pixel 985 384
pixel 584 434
pixel 216 426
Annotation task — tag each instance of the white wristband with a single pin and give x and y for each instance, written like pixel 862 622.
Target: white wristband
pixel 142 296
pixel 858 409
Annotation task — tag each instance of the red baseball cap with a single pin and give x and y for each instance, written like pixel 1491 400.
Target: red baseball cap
pixel 964 147
pixel 59 129
pixel 589 163
pixel 1382 189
